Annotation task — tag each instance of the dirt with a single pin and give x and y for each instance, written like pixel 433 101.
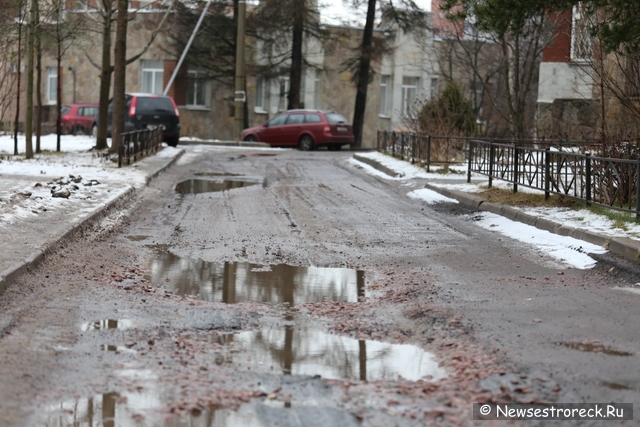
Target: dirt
pixel 94 324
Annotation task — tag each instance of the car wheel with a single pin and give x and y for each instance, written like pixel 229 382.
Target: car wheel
pixel 173 141
pixel 250 138
pixel 306 143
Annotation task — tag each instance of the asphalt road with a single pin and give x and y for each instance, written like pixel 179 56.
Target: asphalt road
pixel 178 305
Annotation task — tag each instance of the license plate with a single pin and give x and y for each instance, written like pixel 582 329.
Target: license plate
pixel 342 129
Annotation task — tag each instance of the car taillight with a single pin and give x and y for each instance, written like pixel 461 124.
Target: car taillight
pixel 327 130
pixel 132 109
pixel 175 108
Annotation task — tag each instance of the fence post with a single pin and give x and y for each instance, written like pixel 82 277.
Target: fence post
pixel 516 167
pixel 492 154
pixel 378 141
pixel 393 143
pixel 385 141
pixel 414 140
pixel 428 153
pixel 587 159
pixel 547 172
pixel 120 152
pixel 402 145
pixel 637 188
pixel 469 161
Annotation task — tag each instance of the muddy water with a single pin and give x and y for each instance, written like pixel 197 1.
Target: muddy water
pixel 305 351
pixel 244 282
pixel 197 186
pixel 107 324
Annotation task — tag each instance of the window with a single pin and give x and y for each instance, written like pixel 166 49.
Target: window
pixel 277 121
pixel 335 118
pixel 261 89
pixel 409 90
pixel 89 111
pixel 581 42
pixel 295 119
pixel 152 77
pixel 316 91
pixel 385 95
pixel 52 85
pixel 435 92
pixel 197 85
pixel 284 92
pixel 312 118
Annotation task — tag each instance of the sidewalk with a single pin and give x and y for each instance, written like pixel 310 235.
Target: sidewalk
pixel 46 200
pixel 591 228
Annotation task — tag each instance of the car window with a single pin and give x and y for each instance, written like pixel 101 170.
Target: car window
pixel 312 118
pixel 145 104
pixel 277 121
pixel 335 118
pixel 295 119
pixel 65 110
pixel 89 111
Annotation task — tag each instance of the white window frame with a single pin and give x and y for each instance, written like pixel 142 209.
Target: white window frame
pixel 435 88
pixel 581 41
pixel 385 95
pixel 149 69
pixel 195 82
pixel 284 92
pixel 52 85
pixel 316 91
pixel 261 95
pixel 409 92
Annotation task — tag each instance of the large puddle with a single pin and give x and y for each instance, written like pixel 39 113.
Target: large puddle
pixel 245 282
pixel 197 186
pixel 304 351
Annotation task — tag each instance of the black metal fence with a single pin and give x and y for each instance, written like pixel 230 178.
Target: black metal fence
pixel 552 167
pixel 136 144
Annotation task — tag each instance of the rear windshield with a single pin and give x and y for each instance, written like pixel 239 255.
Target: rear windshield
pixel 65 110
pixel 154 104
pixel 335 118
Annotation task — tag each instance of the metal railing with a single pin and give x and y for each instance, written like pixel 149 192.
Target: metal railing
pixel 138 144
pixel 542 165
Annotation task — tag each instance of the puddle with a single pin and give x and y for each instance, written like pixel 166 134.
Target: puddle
pixel 244 282
pixel 107 324
pixel 217 174
pixel 198 186
pixel 116 348
pixel 137 238
pixel 594 348
pixel 141 410
pixel 302 351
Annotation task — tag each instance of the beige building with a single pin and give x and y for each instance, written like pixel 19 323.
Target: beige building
pixel 206 107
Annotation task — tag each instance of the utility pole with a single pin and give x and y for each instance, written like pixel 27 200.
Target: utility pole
pixel 240 96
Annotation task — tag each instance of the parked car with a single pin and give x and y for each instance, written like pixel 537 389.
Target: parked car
pixel 145 110
pixel 76 119
pixel 306 129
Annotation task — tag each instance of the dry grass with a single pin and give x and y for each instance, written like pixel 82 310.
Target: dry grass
pixel 508 197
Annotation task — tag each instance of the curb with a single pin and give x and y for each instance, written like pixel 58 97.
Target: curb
pixel 622 246
pixel 224 143
pixel 11 274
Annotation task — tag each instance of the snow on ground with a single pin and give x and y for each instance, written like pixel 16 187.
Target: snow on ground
pixel 566 249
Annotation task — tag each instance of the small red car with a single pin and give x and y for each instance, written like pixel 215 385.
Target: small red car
pixel 76 119
pixel 306 129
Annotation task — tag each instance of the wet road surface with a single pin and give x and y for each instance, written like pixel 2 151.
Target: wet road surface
pixel 295 289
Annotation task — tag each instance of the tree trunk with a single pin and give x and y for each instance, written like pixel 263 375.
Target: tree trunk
pixel 105 77
pixel 28 125
pixel 119 77
pixel 363 75
pixel 38 87
pixel 17 122
pixel 58 96
pixel 295 72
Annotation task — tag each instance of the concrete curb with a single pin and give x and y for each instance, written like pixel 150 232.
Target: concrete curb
pixel 227 143
pixel 11 274
pixel 622 246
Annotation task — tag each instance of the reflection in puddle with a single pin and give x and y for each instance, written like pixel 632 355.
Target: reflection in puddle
pixel 594 348
pixel 197 186
pixel 107 324
pixel 245 282
pixel 304 351
pixel 139 410
pixel 217 174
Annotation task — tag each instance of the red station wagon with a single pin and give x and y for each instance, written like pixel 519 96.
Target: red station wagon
pixel 76 119
pixel 306 129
